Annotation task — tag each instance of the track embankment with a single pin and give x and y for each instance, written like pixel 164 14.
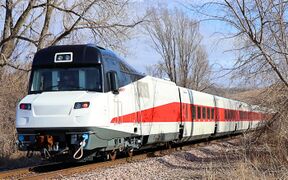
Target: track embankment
pixel 62 170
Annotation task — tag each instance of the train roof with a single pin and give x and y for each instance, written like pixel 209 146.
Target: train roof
pixel 81 54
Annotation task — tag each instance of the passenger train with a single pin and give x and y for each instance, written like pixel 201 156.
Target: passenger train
pixel 84 101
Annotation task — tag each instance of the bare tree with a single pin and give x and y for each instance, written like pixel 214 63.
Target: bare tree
pixel 31 25
pixel 261 30
pixel 177 39
pixel 162 34
pixel 200 71
pixel 156 70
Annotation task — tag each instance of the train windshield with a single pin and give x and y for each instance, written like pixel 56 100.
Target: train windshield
pixel 66 79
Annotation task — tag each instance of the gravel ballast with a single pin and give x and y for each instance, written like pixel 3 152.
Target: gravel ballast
pixel 189 163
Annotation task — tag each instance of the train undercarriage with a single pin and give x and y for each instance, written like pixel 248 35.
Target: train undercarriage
pixel 78 145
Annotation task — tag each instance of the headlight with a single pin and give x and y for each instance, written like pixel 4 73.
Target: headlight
pixel 25 106
pixel 79 105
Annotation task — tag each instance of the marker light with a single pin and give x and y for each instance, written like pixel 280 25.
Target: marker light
pixel 80 105
pixel 59 58
pixel 25 106
pixel 67 57
pixel 63 57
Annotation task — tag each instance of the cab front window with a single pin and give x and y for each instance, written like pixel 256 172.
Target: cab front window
pixel 66 79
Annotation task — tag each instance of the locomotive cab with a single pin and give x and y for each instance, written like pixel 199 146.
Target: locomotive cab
pixel 65 98
pixel 67 68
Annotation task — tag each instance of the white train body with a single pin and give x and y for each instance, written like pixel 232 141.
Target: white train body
pixel 125 110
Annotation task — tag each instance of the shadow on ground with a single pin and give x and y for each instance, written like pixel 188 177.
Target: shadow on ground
pixel 13 162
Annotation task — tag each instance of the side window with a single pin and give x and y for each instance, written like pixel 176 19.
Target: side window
pixel 208 113
pixel 228 115
pixel 93 79
pixel 125 74
pixel 199 112
pixel 116 66
pixel 134 77
pixel 212 112
pixel 183 111
pixel 123 68
pixel 204 113
pixel 193 112
pixel 187 106
pixel 113 80
pixel 126 78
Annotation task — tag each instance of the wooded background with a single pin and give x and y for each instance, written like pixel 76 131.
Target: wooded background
pixel 259 31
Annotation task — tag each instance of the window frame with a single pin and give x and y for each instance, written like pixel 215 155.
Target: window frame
pixel 98 67
pixel 199 113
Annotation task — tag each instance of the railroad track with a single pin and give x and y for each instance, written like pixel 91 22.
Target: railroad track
pixel 54 170
pixel 59 170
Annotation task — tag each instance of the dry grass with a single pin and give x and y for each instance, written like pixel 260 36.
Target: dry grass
pixel 263 153
pixel 14 85
pixel 258 160
pixel 244 170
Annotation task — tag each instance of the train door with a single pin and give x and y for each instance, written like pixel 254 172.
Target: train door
pixel 236 118
pixel 118 109
pixel 185 123
pixel 215 115
pixel 143 98
pixel 192 111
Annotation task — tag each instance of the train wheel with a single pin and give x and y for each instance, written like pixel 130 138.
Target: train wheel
pixel 130 155
pixel 112 155
pixel 130 152
pixel 168 147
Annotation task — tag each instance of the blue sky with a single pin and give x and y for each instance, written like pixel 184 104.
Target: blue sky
pixel 142 54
